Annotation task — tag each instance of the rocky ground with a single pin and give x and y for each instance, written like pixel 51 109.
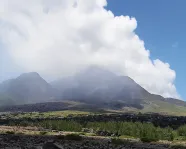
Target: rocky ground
pixel 57 142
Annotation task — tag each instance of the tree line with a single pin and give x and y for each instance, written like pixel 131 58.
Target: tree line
pixel 144 131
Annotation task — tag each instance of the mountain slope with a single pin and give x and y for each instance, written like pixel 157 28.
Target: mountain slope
pixel 94 88
pixel 97 84
pixel 27 88
pixel 101 87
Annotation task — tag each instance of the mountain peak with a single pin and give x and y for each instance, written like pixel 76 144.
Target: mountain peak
pixel 31 75
pixel 27 88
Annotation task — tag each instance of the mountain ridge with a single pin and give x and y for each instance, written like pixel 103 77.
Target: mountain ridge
pixel 93 86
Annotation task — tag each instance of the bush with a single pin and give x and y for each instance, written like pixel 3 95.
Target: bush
pixel 178 146
pixel 74 137
pixel 60 125
pixel 43 133
pixel 20 133
pixel 117 141
pixel 148 139
pixel 182 130
pixel 87 130
pixel 82 133
pixel 25 123
pixel 10 132
pixel 146 131
pixel 166 133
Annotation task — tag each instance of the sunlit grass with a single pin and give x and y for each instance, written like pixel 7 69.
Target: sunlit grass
pixel 157 106
pixel 49 114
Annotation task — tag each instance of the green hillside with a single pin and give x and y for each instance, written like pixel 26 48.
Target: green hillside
pixel 164 107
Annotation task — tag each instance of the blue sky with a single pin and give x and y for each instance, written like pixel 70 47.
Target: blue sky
pixel 161 24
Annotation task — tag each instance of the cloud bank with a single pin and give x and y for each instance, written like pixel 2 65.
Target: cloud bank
pixel 59 37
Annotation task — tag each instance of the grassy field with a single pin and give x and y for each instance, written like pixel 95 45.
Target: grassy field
pixel 164 108
pixel 157 106
pixel 49 114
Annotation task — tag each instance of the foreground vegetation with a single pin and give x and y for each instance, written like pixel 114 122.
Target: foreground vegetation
pixel 50 123
pixel 147 132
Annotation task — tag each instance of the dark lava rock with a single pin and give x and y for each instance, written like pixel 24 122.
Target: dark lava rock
pixel 51 145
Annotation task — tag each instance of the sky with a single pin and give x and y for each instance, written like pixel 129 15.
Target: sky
pixel 161 25
pixel 141 39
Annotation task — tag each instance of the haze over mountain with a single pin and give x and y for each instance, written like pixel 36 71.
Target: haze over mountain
pixel 96 84
pixel 93 86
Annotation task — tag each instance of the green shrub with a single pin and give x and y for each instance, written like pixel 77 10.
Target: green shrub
pixel 74 137
pixel 145 131
pixel 10 132
pixel 178 146
pixel 82 133
pixel 182 130
pixel 20 133
pixel 43 132
pixel 148 139
pixel 117 141
pixel 25 123
pixel 137 130
pixel 60 125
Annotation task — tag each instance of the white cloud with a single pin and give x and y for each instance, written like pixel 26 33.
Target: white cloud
pixel 57 37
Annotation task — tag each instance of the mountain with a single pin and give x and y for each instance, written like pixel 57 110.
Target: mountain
pixel 96 83
pixel 98 86
pixel 94 88
pixel 27 88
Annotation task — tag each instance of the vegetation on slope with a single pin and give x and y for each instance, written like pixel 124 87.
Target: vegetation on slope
pixel 163 107
pixel 52 114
